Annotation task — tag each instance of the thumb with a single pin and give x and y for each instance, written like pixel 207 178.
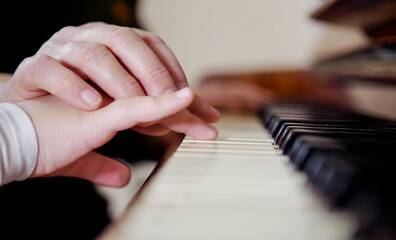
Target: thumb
pixel 126 113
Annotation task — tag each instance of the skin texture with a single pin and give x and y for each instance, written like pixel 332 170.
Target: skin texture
pixel 121 61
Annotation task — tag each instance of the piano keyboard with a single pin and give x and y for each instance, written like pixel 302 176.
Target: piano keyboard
pixel 242 186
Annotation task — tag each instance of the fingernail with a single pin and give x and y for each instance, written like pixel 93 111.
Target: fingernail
pixel 182 93
pixel 213 127
pixel 181 85
pixel 215 110
pixel 214 134
pixel 90 97
pixel 169 91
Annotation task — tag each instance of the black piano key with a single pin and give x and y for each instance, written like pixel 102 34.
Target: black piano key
pixel 331 129
pixel 295 133
pixel 357 165
pixel 348 157
pixel 276 118
pixel 285 127
pixel 301 149
pixel 332 175
pixel 277 124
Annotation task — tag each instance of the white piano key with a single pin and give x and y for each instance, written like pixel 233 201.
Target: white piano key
pixel 236 187
pixel 267 146
pixel 234 223
pixel 235 142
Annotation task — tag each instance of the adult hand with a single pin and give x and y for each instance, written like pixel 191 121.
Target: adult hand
pixel 122 61
pixel 67 136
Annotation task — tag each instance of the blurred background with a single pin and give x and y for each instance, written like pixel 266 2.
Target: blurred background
pixel 234 35
pixel 229 36
pixel 211 37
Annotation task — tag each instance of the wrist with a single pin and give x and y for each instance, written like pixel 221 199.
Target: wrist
pixel 4 78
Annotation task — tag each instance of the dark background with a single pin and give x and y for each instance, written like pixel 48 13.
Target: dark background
pixel 59 208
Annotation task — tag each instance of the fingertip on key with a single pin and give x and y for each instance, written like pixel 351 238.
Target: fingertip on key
pixel 216 132
pixel 211 134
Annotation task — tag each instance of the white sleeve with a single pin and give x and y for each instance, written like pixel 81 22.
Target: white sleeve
pixel 18 144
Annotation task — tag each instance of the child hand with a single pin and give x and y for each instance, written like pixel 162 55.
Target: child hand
pixel 67 136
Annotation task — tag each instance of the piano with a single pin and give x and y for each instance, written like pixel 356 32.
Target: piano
pixel 294 170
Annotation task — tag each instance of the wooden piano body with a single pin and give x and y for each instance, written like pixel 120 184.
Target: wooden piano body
pixel 241 186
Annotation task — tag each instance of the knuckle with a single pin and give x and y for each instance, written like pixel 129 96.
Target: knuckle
pixel 158 73
pixel 128 88
pixel 26 62
pixel 153 38
pixel 45 48
pixel 67 29
pixel 64 31
pixel 36 65
pixel 93 52
pixel 61 84
pixel 93 24
pixel 125 35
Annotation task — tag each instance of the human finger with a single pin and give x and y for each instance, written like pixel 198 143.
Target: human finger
pixel 98 169
pixel 126 113
pixel 182 122
pixel 151 128
pixel 204 110
pixel 199 107
pixel 189 124
pixel 97 63
pixel 131 50
pixel 128 40
pixel 40 74
pixel 166 56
